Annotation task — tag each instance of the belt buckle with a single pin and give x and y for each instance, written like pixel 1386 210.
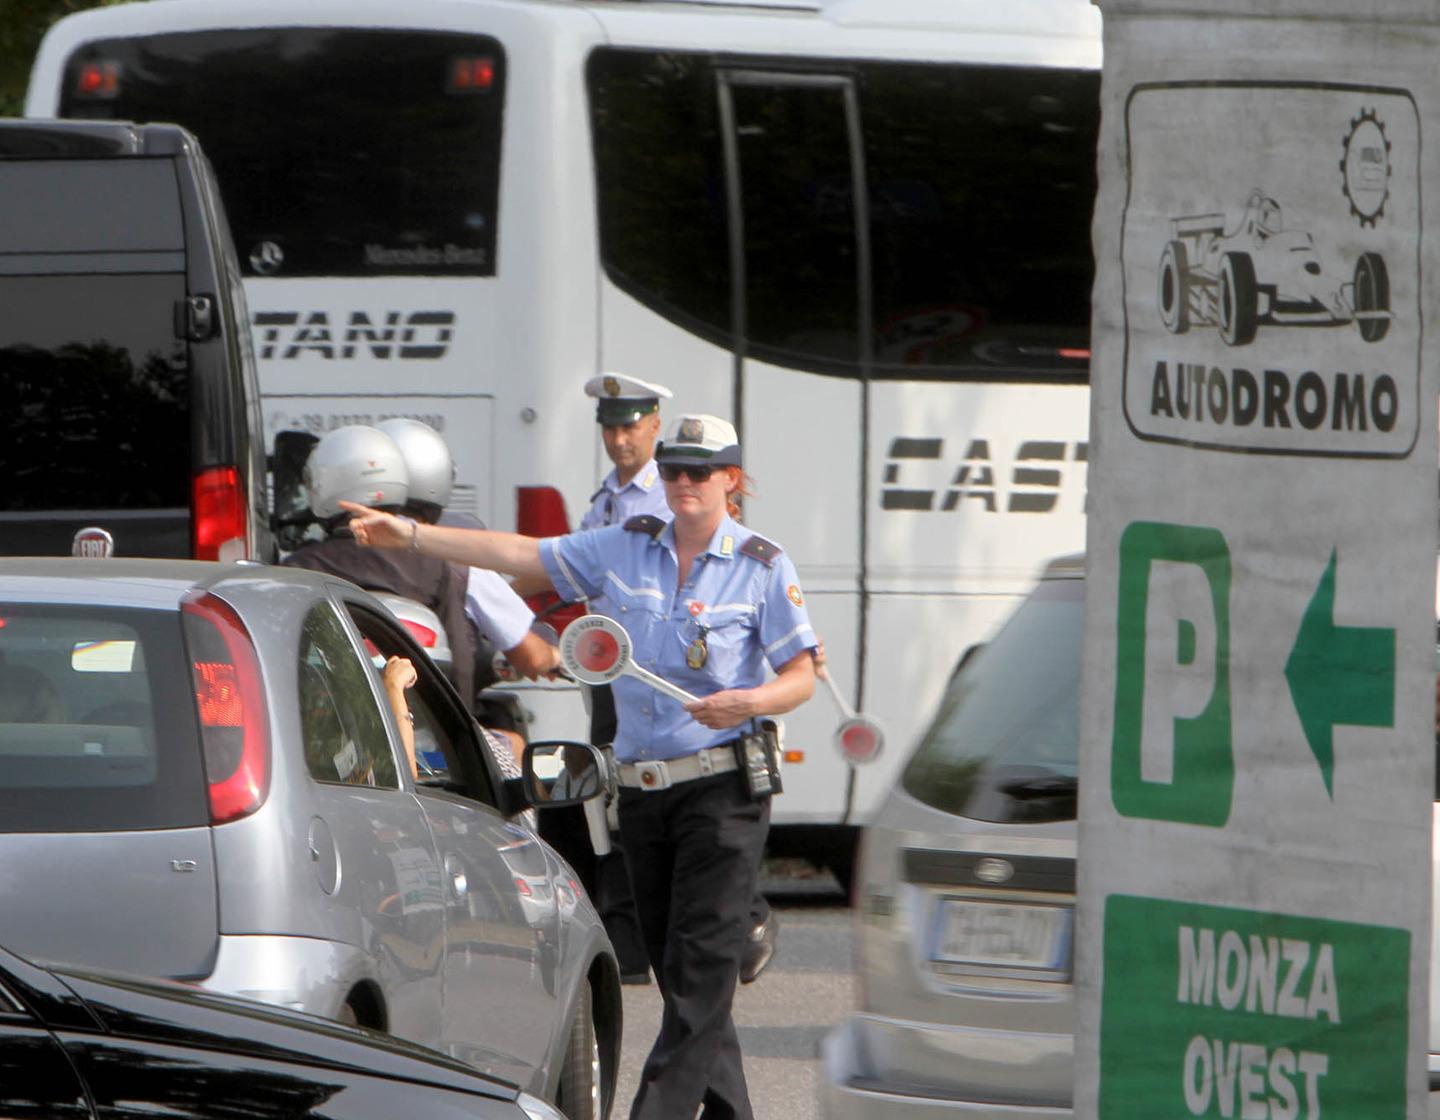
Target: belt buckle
pixel 652 775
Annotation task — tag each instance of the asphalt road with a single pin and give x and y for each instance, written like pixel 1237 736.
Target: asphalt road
pixel 782 1016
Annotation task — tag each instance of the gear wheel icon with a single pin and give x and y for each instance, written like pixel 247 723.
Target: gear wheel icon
pixel 1365 167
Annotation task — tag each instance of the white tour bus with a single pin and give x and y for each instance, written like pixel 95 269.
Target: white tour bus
pixel 861 228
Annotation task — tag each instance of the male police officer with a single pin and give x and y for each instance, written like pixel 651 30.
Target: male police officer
pixel 628 412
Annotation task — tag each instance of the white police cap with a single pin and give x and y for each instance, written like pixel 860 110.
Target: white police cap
pixel 624 399
pixel 700 438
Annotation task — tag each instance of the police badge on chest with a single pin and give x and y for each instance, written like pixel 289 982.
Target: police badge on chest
pixel 697 652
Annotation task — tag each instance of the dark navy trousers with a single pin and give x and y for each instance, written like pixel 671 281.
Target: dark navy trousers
pixel 693 851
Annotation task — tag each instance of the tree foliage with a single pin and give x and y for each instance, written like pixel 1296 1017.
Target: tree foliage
pixel 23 24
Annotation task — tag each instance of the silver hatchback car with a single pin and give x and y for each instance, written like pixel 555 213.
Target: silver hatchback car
pixel 965 892
pixel 200 779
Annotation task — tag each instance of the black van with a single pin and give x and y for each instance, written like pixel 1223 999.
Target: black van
pixel 128 394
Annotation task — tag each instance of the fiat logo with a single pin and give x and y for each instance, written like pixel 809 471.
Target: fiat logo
pixel 93 543
pixel 991 870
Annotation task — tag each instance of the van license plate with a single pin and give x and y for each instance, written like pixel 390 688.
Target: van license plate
pixel 1003 935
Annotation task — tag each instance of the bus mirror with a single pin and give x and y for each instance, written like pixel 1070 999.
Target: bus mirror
pixel 287 472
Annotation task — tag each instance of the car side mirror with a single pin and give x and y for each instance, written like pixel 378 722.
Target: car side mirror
pixel 560 772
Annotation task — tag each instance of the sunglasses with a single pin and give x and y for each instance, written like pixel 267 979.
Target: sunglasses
pixel 671 472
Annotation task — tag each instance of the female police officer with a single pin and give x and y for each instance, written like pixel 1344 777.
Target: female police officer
pixel 706 604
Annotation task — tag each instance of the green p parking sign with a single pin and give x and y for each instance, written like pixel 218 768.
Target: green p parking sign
pixel 1179 646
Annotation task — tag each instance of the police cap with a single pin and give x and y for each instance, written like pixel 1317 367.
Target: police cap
pixel 623 399
pixel 700 438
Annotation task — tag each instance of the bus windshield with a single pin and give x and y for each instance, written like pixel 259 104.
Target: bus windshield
pixel 340 151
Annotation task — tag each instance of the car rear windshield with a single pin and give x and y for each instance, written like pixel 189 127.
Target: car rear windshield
pixel 341 152
pixel 97 722
pixel 1004 745
pixel 94 385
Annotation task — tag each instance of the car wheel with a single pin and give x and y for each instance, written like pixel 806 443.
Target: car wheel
pixel 580 1077
pixel 1238 299
pixel 1372 293
pixel 1174 296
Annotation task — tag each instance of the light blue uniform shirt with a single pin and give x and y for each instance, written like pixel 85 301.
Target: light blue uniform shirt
pixel 751 612
pixel 614 504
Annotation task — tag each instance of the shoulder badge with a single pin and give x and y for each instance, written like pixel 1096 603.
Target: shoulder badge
pixel 646 523
pixel 758 548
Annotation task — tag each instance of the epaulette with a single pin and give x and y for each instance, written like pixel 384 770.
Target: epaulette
pixel 758 548
pixel 646 523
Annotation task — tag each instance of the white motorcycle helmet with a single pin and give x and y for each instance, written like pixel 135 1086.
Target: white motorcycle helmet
pixel 428 461
pixel 355 464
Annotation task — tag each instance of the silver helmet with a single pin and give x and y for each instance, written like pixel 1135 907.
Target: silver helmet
pixel 427 458
pixel 355 464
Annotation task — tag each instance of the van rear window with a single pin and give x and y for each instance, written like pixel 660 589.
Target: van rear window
pixel 89 206
pixel 94 393
pixel 97 726
pixel 1005 744
pixel 382 151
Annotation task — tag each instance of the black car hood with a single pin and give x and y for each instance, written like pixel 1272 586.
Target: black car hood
pixel 158 1011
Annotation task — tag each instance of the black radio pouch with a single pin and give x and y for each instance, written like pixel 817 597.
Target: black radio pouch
pixel 754 766
pixel 758 757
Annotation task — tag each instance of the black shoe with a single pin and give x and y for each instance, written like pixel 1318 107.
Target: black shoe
pixel 635 977
pixel 759 949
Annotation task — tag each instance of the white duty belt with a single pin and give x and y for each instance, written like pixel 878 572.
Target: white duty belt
pixel 662 775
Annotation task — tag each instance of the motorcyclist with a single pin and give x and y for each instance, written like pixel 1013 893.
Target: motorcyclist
pixel 361 463
pixel 500 615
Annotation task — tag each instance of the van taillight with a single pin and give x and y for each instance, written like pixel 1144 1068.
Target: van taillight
pixel 230 702
pixel 540 512
pixel 217 513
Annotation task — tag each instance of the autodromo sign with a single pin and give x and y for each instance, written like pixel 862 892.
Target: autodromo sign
pixel 1230 288
pixel 1256 773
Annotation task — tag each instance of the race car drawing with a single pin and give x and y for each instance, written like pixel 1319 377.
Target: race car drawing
pixel 1261 272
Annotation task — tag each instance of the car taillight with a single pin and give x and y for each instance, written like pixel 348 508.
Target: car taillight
pixel 217 515
pixel 230 702
pixel 422 634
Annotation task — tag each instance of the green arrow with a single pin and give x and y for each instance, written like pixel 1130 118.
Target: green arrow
pixel 1339 674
